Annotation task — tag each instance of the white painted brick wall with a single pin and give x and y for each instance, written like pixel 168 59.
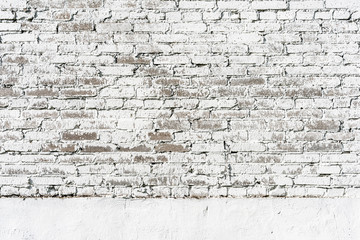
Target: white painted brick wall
pixel 179 98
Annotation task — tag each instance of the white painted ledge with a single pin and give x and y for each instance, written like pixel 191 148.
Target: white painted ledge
pixel 243 219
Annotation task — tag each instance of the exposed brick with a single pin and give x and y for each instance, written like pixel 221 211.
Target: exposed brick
pixel 171 148
pixel 79 136
pixel 98 148
pixel 76 93
pixel 42 92
pixel 75 27
pixel 140 148
pixel 160 136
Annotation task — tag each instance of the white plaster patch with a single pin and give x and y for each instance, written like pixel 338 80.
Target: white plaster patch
pixel 245 219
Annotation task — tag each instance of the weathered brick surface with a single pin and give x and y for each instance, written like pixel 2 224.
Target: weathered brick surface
pixel 179 98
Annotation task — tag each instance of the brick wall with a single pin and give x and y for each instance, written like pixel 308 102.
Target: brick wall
pixel 150 98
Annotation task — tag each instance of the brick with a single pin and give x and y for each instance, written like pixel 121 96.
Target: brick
pixel 289 38
pixel 303 70
pixel 9 191
pixel 139 148
pixel 329 170
pixel 303 27
pixel 341 70
pixel 75 27
pixel 10 92
pixel 210 147
pixel 98 148
pixel 342 15
pixel 237 192
pixel 338 48
pixel 247 59
pixel 312 181
pixel 247 147
pixel 13 4
pixel 151 27
pixel 285 60
pixel 15 181
pixel 263 27
pixel 303 48
pixel 50 169
pixel 188 27
pixel 7 15
pixel 24 37
pixel 79 136
pixel 76 93
pixel 307 5
pixel 42 136
pixel 171 148
pixel 134 169
pixel 160 136
pixel 233 5
pixel 329 125
pixel 9 27
pixel 117 70
pixel 199 180
pixel 195 71
pixel 128 38
pixel 112 48
pixel 159 5
pixel 51 114
pixel 78 114
pixel 162 181
pixel 196 4
pixel 41 92
pixel 245 37
pixel 339 4
pixel 324 147
pixel 133 60
pixel 323 60
pixel 101 60
pixel 46 181
pixel 227 27
pixel 264 70
pixel 123 181
pixel 163 60
pixel 113 27
pixel 305 158
pixel 209 60
pixel 229 71
pixel 168 38
pixel 267 5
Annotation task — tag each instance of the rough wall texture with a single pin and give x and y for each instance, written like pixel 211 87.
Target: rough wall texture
pixel 149 98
